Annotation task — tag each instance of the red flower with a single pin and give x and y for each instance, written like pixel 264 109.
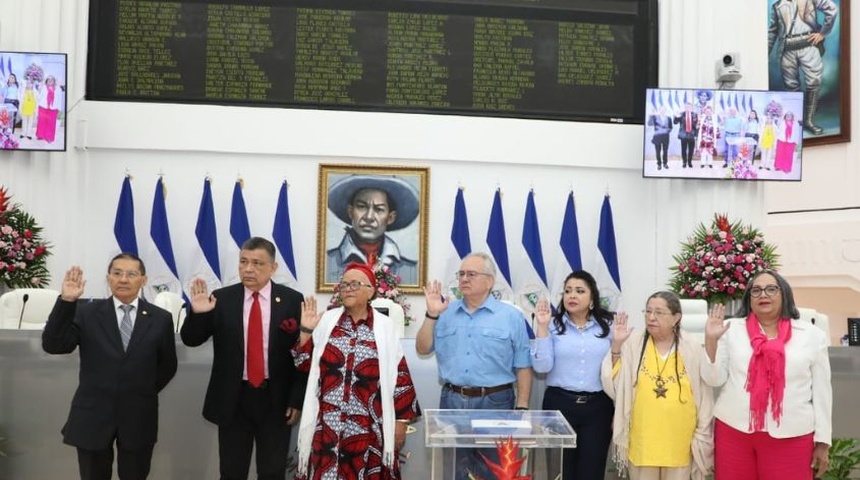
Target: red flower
pixel 289 325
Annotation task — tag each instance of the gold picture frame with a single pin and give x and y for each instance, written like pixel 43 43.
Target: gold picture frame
pixel 355 224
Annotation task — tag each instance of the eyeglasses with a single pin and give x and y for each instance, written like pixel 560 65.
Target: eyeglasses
pixel 468 274
pixel 255 264
pixel 352 286
pixel 769 290
pixel 129 274
pixel 659 313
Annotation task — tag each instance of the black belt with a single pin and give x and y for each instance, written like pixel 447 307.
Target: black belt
pixel 478 391
pixel 265 384
pixel 579 397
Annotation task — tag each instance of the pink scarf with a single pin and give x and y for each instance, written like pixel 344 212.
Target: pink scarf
pixel 766 374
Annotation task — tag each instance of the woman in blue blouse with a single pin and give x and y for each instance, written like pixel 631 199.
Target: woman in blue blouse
pixel 569 348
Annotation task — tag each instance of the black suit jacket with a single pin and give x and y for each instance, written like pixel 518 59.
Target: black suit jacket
pixel 681 119
pixel 117 396
pixel 225 325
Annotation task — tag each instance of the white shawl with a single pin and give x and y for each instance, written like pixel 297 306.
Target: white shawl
pixel 389 350
pixel 621 389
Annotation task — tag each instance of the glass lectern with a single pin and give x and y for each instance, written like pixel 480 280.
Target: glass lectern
pixel 447 432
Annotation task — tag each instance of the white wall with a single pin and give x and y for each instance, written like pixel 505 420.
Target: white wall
pixel 73 194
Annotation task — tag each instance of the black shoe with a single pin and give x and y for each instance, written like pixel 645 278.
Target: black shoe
pixel 725 165
pixel 701 166
pixel 666 166
pixel 710 166
pixel 659 167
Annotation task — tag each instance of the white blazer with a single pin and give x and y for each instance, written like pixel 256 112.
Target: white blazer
pixel 807 403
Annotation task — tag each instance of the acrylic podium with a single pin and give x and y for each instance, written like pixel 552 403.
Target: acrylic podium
pixel 446 432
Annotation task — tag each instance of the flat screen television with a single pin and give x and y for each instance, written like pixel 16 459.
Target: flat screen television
pixel 722 134
pixel 33 101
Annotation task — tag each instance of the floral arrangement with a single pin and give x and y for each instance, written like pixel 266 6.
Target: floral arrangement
pixel 7 139
pixel 773 109
pixel 387 286
pixel 509 461
pixel 716 263
pixel 743 170
pixel 22 251
pixel 34 73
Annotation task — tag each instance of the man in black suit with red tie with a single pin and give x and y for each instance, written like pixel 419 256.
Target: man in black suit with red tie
pixel 255 392
pixel 688 122
pixel 128 355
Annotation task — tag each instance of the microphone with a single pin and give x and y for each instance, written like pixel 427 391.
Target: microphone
pixel 23 306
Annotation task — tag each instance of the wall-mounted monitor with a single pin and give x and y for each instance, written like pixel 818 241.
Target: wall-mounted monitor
pixel 722 134
pixel 33 101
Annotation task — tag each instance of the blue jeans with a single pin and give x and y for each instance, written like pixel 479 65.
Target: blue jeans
pixel 469 460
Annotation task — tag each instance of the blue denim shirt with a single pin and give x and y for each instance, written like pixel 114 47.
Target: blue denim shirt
pixel 572 361
pixel 481 349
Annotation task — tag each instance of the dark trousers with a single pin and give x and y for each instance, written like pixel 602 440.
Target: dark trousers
pixel 591 418
pixel 98 464
pixel 687 148
pixel 257 423
pixel 661 142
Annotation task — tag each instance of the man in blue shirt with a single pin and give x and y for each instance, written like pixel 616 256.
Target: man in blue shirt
pixel 481 345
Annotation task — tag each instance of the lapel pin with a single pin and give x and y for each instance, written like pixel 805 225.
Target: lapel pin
pixel 143 312
pixel 277 299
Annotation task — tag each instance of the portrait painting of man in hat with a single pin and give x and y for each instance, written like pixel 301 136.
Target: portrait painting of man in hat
pixel 368 208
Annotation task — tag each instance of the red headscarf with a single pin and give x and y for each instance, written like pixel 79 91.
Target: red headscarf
pixel 365 269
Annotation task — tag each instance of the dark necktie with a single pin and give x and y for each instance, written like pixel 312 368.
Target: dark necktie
pixel 254 355
pixel 125 326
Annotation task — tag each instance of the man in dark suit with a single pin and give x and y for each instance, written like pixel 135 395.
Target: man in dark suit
pixel 255 392
pixel 128 355
pixel 688 121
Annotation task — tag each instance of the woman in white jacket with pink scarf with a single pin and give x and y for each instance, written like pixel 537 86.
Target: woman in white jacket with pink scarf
pixel 773 414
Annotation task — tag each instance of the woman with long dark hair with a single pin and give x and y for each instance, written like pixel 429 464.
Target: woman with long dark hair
pixel 570 346
pixel 662 428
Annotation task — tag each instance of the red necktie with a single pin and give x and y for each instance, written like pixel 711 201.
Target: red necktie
pixel 254 355
pixel 689 126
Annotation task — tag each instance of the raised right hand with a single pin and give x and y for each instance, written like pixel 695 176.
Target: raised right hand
pixel 543 313
pixel 715 327
pixel 201 300
pixel 73 284
pixel 310 315
pixel 436 302
pixel 620 330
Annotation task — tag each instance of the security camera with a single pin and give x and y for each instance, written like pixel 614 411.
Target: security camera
pixel 728 68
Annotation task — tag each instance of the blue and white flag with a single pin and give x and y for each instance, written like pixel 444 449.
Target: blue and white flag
pixel 282 234
pixel 607 273
pixel 497 242
pixel 460 227
pixel 461 244
pixel 205 263
pixel 569 250
pixel 240 231
pixel 123 226
pixel 162 274
pixel 530 280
